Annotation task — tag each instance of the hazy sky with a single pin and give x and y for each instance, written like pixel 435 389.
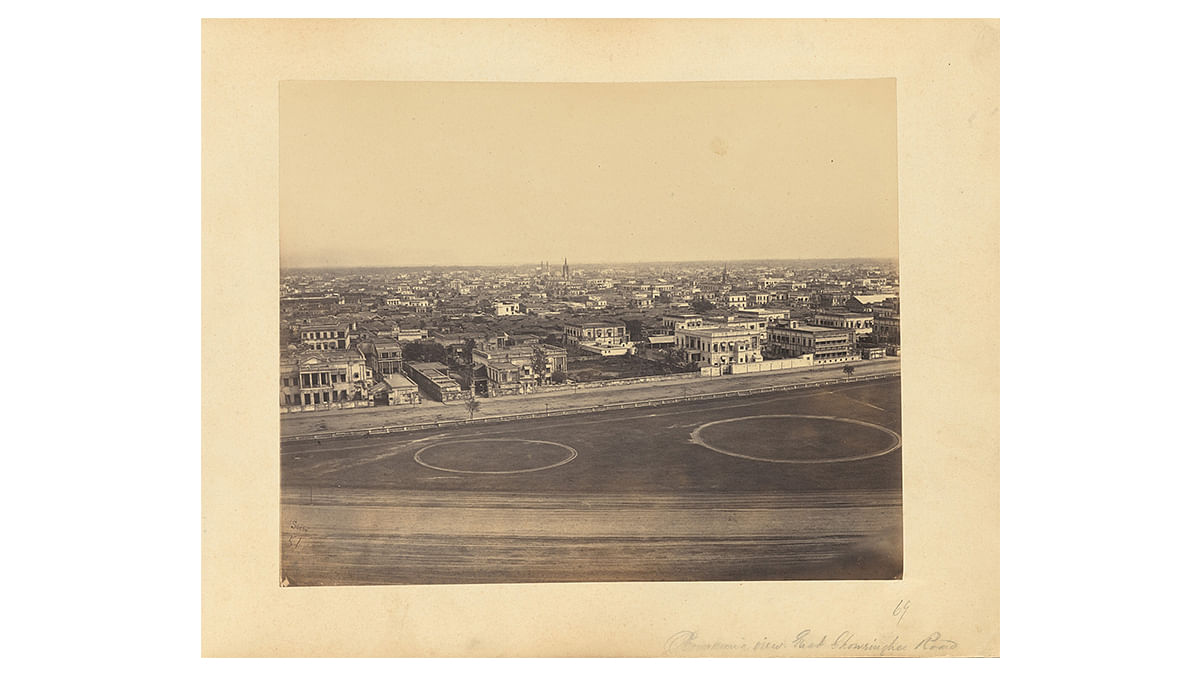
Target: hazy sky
pixel 394 173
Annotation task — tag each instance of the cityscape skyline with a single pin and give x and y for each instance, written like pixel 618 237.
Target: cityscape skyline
pixel 593 263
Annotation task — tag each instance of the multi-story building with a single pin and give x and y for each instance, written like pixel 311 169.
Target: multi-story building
pixel 757 318
pixel 506 307
pixel 887 329
pixel 674 322
pixel 409 334
pixel 384 356
pixel 861 324
pixel 717 345
pixel 640 300
pixel 827 345
pixel 736 300
pixel 434 380
pixel 408 302
pixel 762 316
pixel 323 378
pixel 511 370
pixel 832 299
pixel 597 332
pixel 323 336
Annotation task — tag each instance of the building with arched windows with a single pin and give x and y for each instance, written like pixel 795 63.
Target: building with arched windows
pixel 720 345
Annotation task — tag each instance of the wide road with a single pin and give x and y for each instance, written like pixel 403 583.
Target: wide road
pixel 765 487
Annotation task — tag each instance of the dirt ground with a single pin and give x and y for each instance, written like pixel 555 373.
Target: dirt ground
pixel 634 500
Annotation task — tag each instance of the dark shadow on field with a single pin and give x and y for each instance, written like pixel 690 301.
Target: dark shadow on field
pixel 640 502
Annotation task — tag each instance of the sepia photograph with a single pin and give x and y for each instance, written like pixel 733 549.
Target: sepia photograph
pixel 589 332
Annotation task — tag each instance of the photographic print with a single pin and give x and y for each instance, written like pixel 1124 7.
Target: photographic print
pixel 589 332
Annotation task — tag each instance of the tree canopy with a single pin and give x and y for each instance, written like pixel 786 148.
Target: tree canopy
pixel 424 350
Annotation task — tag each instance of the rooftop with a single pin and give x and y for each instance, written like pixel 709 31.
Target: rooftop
pixel 321 356
pixel 399 382
pixel 715 330
pixel 596 324
pixel 809 328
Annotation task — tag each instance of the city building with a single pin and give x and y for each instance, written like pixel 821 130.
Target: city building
pixel 718 346
pixel 384 356
pixel 401 390
pixel 827 345
pixel 409 334
pixel 640 300
pixel 887 329
pixel 861 324
pixel 873 352
pixel 674 322
pixel 872 303
pixel 408 302
pixel 323 379
pixel 597 332
pixel 511 370
pixel 762 316
pixel 322 336
pixel 506 307
pixel 434 381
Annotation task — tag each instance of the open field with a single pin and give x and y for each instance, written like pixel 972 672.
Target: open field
pixel 797 485
pixel 596 368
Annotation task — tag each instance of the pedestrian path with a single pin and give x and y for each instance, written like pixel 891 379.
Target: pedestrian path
pixel 294 424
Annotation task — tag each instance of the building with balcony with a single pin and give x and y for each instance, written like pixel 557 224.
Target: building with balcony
pixel 719 345
pixel 861 324
pixel 324 336
pixel 323 379
pixel 673 322
pixel 597 332
pixel 384 356
pixel 827 345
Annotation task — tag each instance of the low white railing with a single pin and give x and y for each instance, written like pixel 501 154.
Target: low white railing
pixel 391 429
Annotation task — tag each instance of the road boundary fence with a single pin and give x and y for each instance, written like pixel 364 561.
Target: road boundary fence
pixel 649 403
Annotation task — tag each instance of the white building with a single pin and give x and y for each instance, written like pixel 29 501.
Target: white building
pixel 507 307
pixel 718 345
pixel 861 324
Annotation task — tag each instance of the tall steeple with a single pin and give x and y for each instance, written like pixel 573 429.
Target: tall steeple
pixel 566 271
pixel 725 273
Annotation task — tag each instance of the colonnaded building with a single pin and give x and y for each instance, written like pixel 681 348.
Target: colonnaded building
pixel 720 345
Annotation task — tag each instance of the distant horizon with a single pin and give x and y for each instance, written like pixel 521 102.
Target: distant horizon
pixel 557 265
